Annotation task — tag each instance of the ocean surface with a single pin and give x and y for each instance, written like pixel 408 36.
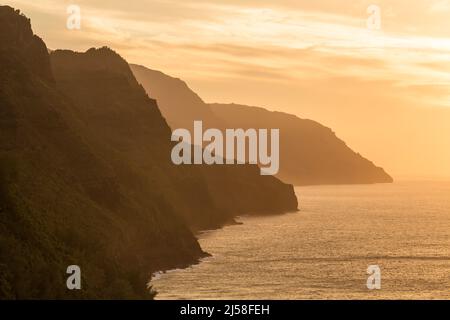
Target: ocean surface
pixel 323 251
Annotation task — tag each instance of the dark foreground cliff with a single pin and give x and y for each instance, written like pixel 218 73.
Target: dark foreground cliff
pixel 61 203
pixel 86 176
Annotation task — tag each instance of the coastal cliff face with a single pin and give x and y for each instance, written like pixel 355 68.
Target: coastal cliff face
pixel 120 113
pixel 310 153
pixel 61 203
pixel 124 126
pixel 86 176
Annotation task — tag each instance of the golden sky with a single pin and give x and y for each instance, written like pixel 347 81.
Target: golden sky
pixel 385 92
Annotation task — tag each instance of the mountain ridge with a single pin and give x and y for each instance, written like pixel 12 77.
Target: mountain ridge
pixel 327 160
pixel 323 158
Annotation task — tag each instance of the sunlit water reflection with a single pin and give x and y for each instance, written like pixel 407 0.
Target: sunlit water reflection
pixel 323 251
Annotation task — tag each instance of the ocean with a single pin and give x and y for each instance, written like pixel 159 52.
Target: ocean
pixel 324 250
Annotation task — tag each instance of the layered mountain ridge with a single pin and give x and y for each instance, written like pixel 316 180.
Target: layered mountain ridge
pixel 310 153
pixel 86 176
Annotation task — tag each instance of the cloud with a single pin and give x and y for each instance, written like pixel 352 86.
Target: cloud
pixel 254 38
pixel 441 6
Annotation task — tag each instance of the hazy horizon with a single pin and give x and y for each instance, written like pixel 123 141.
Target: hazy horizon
pixel 384 92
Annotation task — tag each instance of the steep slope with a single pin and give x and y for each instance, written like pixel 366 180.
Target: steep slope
pixel 61 203
pixel 108 98
pixel 310 153
pixel 177 102
pixel 125 127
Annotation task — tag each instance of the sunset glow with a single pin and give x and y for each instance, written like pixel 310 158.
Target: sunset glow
pixel 315 59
